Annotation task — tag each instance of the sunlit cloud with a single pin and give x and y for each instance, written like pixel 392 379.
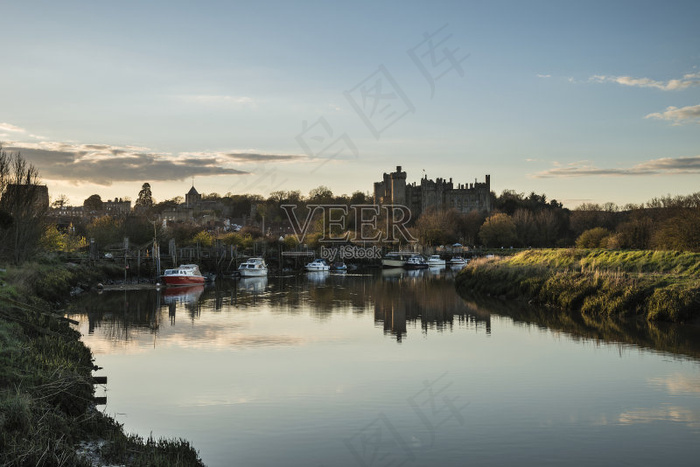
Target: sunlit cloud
pixel 688 80
pixel 677 115
pixel 11 128
pixel 663 166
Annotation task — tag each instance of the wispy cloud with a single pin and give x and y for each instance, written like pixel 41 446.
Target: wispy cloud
pixel 688 80
pixel 663 166
pixel 220 99
pixel 11 128
pixel 543 76
pixel 677 115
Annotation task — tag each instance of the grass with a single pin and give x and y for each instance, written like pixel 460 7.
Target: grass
pixel 46 391
pixel 657 285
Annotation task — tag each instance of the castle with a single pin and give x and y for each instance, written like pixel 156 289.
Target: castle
pixel 438 194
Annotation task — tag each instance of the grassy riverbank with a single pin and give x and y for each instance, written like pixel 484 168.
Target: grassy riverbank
pixel 656 285
pixel 47 413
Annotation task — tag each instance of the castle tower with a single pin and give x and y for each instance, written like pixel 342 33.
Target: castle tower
pixel 398 186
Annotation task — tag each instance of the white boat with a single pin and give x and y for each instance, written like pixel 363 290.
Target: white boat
pixel 254 267
pixel 318 265
pixel 185 274
pixel 435 261
pixel 396 259
pixel 458 261
pixel 416 262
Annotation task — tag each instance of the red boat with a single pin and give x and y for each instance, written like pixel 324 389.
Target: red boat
pixel 185 274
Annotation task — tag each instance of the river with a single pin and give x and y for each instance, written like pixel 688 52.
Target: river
pixel 390 369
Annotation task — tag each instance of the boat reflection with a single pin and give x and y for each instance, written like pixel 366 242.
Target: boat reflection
pixel 183 295
pixel 255 285
pixel 317 277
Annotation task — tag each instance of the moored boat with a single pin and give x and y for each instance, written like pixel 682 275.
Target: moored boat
pixel 458 261
pixel 416 262
pixel 339 266
pixel 185 274
pixel 253 267
pixel 396 259
pixel 318 265
pixel 436 261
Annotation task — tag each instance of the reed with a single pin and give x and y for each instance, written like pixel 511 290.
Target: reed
pixel 46 392
pixel 657 285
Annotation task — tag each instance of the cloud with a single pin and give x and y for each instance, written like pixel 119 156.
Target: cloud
pixel 543 76
pixel 105 164
pixel 688 80
pixel 220 99
pixel 678 116
pixel 257 157
pixel 11 128
pixel 663 166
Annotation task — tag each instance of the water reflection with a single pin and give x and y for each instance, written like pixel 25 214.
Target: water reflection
pixel 321 368
pixel 400 301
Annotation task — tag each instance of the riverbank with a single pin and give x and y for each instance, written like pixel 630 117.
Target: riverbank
pixel 654 285
pixel 47 411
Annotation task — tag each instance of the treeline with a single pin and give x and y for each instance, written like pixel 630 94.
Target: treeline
pixel 668 223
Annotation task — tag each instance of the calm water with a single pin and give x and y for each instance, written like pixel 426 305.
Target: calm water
pixel 391 369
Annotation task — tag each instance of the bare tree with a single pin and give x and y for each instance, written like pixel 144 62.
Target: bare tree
pixel 26 202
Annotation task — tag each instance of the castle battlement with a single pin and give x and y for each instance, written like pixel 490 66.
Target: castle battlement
pixel 439 193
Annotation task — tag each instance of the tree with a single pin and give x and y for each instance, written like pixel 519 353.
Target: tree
pixel 145 198
pixel 93 203
pixel 498 230
pixel 60 202
pixel 23 207
pixel 596 237
pixel 321 194
pixel 105 231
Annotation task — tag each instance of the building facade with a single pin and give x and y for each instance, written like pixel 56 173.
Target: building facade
pixel 436 194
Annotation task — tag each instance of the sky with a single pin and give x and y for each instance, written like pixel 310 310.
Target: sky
pixel 585 102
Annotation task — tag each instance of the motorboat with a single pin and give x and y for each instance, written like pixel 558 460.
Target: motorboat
pixel 436 261
pixel 458 261
pixel 185 274
pixel 396 259
pixel 253 267
pixel 416 262
pixel 318 265
pixel 339 266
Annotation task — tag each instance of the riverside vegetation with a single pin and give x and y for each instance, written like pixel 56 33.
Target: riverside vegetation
pixel 655 285
pixel 47 411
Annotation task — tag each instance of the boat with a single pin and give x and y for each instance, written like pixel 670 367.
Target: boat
pixel 396 259
pixel 416 262
pixel 458 261
pixel 185 274
pixel 435 261
pixel 253 267
pixel 339 266
pixel 318 265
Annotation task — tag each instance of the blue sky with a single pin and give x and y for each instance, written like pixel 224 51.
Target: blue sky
pixel 583 101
